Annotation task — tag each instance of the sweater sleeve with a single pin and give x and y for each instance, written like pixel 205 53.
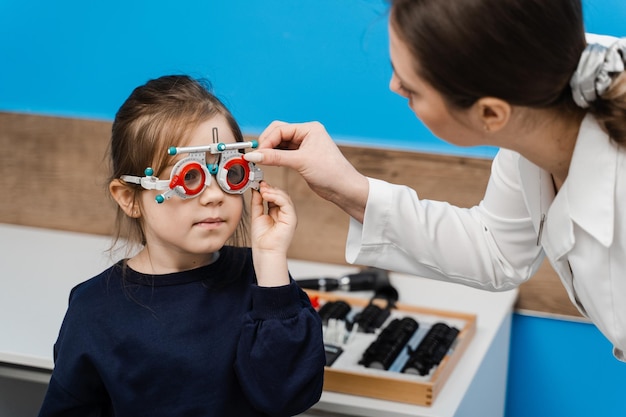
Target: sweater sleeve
pixel 59 402
pixel 75 388
pixel 280 356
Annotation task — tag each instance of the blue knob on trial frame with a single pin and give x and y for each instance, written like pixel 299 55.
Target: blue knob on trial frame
pixel 213 168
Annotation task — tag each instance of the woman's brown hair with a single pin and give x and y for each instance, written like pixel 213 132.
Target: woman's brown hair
pixel 521 51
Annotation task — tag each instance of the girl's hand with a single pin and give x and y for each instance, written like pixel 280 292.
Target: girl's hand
pixel 272 231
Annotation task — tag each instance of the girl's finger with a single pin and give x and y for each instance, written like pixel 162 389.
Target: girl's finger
pixel 256 205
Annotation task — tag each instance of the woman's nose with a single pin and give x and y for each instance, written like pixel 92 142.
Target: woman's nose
pixel 394 83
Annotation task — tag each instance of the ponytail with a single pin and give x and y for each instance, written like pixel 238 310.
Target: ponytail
pixel 599 84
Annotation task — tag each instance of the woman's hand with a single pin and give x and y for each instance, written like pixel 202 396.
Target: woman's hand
pixel 308 149
pixel 272 231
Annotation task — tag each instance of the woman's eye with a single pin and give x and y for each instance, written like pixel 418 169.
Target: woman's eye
pixel 406 90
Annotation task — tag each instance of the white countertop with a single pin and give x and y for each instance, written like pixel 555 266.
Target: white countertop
pixel 40 266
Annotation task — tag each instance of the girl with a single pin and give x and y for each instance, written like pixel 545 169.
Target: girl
pixel 191 325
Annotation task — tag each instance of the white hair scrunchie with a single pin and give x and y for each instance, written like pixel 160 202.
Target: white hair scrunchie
pixel 597 66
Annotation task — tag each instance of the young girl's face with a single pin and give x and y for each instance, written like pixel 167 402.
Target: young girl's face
pixel 183 234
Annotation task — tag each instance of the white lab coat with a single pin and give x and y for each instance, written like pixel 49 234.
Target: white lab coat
pixel 500 243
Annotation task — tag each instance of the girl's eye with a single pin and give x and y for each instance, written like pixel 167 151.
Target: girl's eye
pixel 236 174
pixel 193 178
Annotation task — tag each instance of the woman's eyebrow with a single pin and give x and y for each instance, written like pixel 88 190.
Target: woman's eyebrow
pixel 392 67
pixel 395 72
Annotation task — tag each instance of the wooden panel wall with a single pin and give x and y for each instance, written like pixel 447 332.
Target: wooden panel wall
pixel 53 174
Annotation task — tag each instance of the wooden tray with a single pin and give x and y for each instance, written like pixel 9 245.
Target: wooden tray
pixel 345 375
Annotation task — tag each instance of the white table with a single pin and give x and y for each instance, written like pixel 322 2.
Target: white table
pixel 40 266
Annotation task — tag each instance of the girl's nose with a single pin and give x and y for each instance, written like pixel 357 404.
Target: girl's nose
pixel 212 193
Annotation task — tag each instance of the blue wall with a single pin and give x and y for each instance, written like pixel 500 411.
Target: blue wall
pixel 562 368
pixel 321 60
pixel 299 60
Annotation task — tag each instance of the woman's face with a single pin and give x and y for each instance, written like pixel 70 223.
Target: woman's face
pixel 426 102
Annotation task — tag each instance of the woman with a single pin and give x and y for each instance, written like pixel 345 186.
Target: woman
pixel 556 106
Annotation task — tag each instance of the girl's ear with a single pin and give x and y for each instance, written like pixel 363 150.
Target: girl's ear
pixel 125 198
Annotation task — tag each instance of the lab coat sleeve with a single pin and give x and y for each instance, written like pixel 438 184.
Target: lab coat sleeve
pixel 490 246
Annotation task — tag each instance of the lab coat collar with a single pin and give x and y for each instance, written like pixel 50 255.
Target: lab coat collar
pixel 590 184
pixel 589 188
pixel 538 190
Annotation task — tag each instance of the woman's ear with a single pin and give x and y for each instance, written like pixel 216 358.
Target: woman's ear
pixel 493 113
pixel 125 198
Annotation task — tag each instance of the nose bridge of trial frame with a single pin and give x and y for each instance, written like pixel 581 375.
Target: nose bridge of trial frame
pixel 214 149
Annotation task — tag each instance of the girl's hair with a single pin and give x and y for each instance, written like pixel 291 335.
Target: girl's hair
pixel 522 51
pixel 159 114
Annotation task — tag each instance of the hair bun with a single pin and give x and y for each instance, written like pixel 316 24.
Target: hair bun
pixel 596 69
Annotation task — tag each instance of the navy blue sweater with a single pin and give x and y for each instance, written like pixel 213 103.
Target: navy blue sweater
pixel 204 342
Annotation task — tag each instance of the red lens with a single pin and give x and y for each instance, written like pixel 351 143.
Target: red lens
pixel 238 173
pixel 191 177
